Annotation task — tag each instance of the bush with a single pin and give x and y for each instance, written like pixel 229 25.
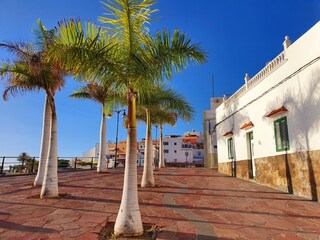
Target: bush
pixel 62 163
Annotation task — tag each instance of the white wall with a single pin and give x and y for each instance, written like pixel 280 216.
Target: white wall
pixel 175 144
pixel 94 152
pixel 299 92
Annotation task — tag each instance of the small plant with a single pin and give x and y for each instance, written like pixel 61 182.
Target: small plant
pixel 62 163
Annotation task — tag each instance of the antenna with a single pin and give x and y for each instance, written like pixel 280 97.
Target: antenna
pixel 212 85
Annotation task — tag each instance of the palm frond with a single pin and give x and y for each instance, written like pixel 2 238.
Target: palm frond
pixel 84 50
pixel 128 21
pixel 43 38
pixel 21 50
pixel 174 53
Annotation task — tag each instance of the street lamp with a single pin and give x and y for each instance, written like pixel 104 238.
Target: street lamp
pixel 116 149
pixel 187 154
pixel 157 148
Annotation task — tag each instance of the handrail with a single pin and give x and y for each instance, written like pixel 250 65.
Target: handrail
pixel 14 165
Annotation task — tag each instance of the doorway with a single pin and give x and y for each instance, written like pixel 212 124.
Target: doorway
pixel 251 154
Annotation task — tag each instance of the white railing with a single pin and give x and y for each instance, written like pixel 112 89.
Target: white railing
pixel 266 71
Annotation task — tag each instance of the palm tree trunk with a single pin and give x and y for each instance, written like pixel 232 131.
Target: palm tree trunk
pixel 147 177
pixel 44 144
pixel 102 167
pixel 161 160
pixel 50 181
pixel 128 220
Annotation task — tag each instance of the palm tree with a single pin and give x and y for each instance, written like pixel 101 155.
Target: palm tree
pixel 102 94
pixel 24 157
pixel 30 71
pixel 153 105
pixel 135 61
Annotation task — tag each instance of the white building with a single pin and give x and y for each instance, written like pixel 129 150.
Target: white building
pixel 209 134
pixel 269 130
pixel 186 149
pixel 93 152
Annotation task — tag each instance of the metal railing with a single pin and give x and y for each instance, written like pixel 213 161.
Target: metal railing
pixel 12 165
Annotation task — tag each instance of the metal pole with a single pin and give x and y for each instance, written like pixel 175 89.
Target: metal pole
pixel 91 162
pixel 32 164
pixel 2 165
pixel 75 163
pixel 116 150
pixel 157 150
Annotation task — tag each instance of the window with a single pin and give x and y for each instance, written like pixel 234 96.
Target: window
pixel 281 134
pixel 166 151
pixel 175 151
pixel 165 143
pixel 230 148
pixel 175 143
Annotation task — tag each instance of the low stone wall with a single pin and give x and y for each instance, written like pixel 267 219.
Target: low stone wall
pixel 244 169
pixel 297 173
pixel 225 168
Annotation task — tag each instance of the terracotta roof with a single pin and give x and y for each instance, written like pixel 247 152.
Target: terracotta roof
pixel 247 125
pixel 189 140
pixel 276 111
pixel 228 133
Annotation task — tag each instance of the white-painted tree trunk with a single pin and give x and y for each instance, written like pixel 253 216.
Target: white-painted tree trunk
pixel 128 220
pixel 161 159
pixel 50 181
pixel 102 166
pixel 147 176
pixel 45 139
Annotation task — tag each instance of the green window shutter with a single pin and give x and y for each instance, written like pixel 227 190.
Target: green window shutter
pixel 281 134
pixel 230 148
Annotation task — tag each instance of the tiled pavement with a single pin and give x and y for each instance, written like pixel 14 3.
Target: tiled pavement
pixel 192 203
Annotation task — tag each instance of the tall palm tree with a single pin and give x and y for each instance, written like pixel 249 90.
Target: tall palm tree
pixel 30 71
pixel 136 61
pixel 155 103
pixel 103 94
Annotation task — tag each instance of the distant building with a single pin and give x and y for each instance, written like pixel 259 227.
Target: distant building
pixel 209 134
pixel 121 152
pixel 269 129
pixel 93 152
pixel 141 150
pixel 186 149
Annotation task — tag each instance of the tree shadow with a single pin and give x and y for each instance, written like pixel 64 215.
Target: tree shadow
pixel 303 104
pixel 232 114
pixel 18 227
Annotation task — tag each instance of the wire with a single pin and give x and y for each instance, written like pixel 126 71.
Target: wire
pixel 272 88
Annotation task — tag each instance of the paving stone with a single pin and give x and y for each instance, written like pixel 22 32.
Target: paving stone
pixel 200 199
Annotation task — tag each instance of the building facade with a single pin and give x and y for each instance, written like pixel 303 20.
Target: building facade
pixel 183 149
pixel 269 130
pixel 209 134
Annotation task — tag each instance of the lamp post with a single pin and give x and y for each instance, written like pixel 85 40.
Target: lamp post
pixel 116 148
pixel 187 154
pixel 157 148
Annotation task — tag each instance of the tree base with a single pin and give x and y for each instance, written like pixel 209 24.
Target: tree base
pixel 37 196
pixel 155 186
pixel 150 233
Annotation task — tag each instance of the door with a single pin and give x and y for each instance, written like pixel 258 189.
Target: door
pixel 251 148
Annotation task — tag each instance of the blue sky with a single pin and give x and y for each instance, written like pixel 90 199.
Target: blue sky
pixel 239 36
